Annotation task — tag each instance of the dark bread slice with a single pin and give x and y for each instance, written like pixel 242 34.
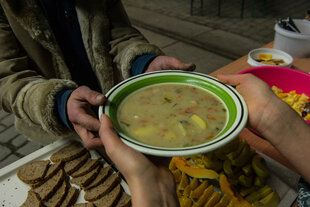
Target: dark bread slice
pixel 47 189
pixel 83 205
pixel 103 174
pixel 124 201
pixel 69 152
pixel 87 167
pixel 32 200
pixel 33 172
pixel 73 165
pixel 109 199
pixel 52 170
pixel 103 188
pixel 58 197
pixel 87 178
pixel 71 197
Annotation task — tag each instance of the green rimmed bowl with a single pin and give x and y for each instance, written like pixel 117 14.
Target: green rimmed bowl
pixel 237 112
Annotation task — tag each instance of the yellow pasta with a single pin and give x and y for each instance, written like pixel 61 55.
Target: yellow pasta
pixel 296 101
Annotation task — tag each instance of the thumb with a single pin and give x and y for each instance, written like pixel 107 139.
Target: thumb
pixel 121 155
pixel 184 66
pixel 107 133
pixel 189 66
pixel 93 97
pixel 124 157
pixel 111 141
pixel 233 80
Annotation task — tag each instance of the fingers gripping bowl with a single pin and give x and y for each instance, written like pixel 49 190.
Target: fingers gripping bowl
pixel 180 116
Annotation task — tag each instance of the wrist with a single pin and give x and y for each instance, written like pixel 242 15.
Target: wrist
pixel 162 193
pixel 141 63
pixel 283 124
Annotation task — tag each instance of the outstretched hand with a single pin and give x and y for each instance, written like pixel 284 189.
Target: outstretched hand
pixel 169 63
pixel 82 117
pixel 275 120
pixel 267 113
pixel 257 94
pixel 149 185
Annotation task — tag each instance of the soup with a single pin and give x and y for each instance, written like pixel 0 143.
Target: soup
pixel 172 115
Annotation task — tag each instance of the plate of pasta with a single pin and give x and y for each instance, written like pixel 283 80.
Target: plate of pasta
pixel 291 85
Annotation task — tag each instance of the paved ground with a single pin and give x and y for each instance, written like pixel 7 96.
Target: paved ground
pixel 254 27
pixel 208 41
pixel 12 144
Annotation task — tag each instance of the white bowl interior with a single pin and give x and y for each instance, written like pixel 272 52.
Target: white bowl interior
pixel 237 110
pixel 276 54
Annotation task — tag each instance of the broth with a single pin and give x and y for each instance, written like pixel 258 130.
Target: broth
pixel 172 115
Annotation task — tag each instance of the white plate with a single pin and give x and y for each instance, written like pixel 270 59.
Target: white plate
pixel 234 103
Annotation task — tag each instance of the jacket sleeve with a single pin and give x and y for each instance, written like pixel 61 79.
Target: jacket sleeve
pixel 23 91
pixel 127 43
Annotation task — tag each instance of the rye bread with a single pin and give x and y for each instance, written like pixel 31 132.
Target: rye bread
pixel 58 197
pixel 103 188
pixel 73 165
pixel 102 175
pixel 32 200
pixel 48 188
pixel 109 199
pixel 52 170
pixel 71 197
pixel 84 180
pixel 33 172
pixel 69 152
pixel 87 167
pixel 83 205
pixel 124 201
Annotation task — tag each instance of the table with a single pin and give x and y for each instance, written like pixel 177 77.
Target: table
pixel 255 141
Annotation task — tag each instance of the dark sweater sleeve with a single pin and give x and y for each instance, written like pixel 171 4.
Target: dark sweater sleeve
pixel 61 103
pixel 141 63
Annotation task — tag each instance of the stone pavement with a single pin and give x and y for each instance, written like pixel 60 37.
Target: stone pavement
pixel 12 144
pixel 227 35
pixel 257 28
pixel 208 41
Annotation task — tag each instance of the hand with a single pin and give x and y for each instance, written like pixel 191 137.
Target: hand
pixel 275 120
pixel 267 113
pixel 149 185
pixel 82 117
pixel 257 94
pixel 169 63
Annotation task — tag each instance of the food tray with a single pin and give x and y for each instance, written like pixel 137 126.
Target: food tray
pixel 13 192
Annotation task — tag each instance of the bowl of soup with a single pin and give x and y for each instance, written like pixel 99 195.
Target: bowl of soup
pixel 175 113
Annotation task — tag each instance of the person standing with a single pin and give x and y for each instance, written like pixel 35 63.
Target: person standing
pixel 58 58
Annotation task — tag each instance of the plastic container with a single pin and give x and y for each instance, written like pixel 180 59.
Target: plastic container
pixel 285 78
pixel 276 54
pixel 296 44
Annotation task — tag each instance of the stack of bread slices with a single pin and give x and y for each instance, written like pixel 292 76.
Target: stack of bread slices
pixel 52 182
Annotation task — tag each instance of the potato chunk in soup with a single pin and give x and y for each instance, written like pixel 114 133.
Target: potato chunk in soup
pixel 172 115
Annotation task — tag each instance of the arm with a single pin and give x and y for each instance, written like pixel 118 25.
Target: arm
pixel 127 44
pixel 25 92
pixel 275 120
pixel 149 185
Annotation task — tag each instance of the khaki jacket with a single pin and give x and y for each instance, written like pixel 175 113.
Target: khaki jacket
pixel 33 70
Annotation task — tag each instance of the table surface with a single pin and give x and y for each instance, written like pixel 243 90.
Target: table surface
pixel 255 141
